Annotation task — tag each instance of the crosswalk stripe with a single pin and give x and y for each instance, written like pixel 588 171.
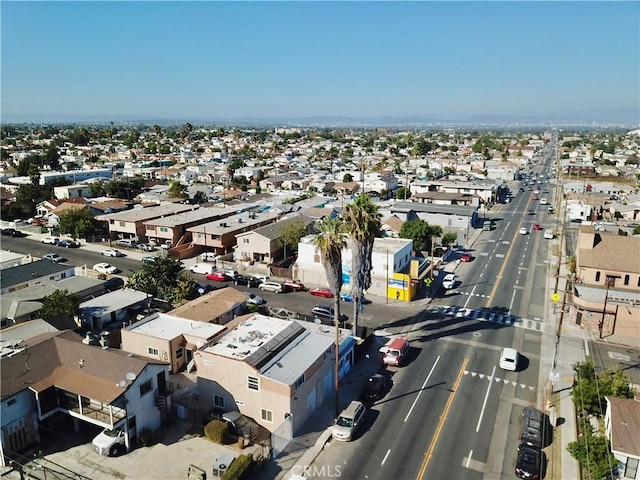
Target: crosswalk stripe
pixel 488 316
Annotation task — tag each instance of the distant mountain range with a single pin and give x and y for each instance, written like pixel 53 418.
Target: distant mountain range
pixel 594 117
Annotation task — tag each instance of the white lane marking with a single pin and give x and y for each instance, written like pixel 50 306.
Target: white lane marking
pixel 511 304
pixel 385 457
pixel 486 397
pixel 470 295
pixel 586 347
pixel 469 458
pixel 423 385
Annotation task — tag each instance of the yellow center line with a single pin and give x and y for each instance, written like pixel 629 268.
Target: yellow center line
pixel 443 417
pixel 504 264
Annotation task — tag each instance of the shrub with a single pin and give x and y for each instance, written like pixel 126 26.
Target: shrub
pixel 240 468
pixel 216 431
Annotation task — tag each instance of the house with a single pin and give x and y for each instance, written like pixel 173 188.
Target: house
pixel 273 370
pixel 606 294
pixel 53 217
pixel 168 338
pixel 219 307
pixel 35 273
pixel 264 244
pixel 391 226
pixel 452 218
pixel 487 192
pixel 622 424
pixel 78 190
pixel 75 176
pixel 54 377
pixel 111 309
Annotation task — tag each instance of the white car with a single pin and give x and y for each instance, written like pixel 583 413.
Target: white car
pixel 509 359
pixel 105 268
pixel 253 299
pixel 523 231
pixel 50 240
pixel 548 234
pixel 449 281
pixel 54 257
pixel 112 252
pixel 543 201
pixel 209 257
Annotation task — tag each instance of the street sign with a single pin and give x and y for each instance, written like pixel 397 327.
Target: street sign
pixel 554 377
pixel 555 297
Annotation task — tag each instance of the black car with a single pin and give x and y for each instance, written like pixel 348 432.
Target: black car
pixel 68 244
pixel 532 427
pixel 529 462
pixel 12 232
pixel 247 280
pixel 374 388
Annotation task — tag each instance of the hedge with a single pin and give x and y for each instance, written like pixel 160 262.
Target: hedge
pixel 240 468
pixel 216 431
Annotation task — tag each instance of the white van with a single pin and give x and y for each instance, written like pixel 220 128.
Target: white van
pixel 203 268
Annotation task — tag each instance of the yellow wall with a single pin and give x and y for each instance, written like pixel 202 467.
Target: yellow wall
pixel 396 290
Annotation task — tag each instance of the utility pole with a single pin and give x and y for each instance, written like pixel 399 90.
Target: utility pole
pixel 337 365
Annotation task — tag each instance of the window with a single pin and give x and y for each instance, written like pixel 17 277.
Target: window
pixel 122 224
pixel 299 382
pixel 626 279
pixel 631 468
pixel 179 352
pixel 218 401
pixel 253 383
pixel 11 402
pixel 153 352
pixel 245 240
pixel 266 415
pixel 164 229
pixel 597 276
pixel 146 387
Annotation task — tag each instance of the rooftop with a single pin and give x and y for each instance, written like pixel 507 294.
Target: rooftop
pixel 149 213
pixel 168 327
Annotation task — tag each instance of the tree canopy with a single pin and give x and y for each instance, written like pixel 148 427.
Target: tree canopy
pixel 591 387
pixel 164 278
pixel 77 222
pixel 420 232
pixel 59 303
pixel 290 234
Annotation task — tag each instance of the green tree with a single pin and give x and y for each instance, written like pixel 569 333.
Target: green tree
pixel 52 158
pixel 165 278
pixel 59 303
pixel 420 232
pixel 177 190
pixel 200 197
pixel 329 242
pixel 591 387
pixel 594 454
pixel 449 238
pixel 401 192
pixel 77 222
pixel 347 177
pixel 290 234
pixel 362 223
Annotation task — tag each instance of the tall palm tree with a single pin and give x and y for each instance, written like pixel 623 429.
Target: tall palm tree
pixel 362 223
pixel 330 241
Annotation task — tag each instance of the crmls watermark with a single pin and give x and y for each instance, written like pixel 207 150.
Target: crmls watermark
pixel 322 471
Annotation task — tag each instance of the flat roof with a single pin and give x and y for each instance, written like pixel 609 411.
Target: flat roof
pixel 168 327
pixel 205 213
pixel 148 213
pixel 242 221
pixel 116 300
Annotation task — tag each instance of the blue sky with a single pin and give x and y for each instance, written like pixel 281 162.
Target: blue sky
pixel 229 60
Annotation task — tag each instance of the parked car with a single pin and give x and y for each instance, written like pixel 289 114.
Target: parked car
pixel 509 358
pixel 548 234
pixel 466 257
pixel 346 297
pixel 374 387
pixel 114 283
pixel 348 421
pixel 253 299
pixel 230 273
pixel 54 257
pixel 145 247
pixel 270 286
pixel 321 292
pixel 532 427
pixel 247 280
pixel 449 281
pixel 203 268
pixel 241 425
pixel 12 232
pixel 112 252
pixel 295 285
pixel 550 210
pixel 148 259
pixel 126 242
pixel 326 312
pixel 217 276
pixel 50 240
pixel 528 462
pixel 209 257
pixel 105 268
pixel 68 244
pixel 109 442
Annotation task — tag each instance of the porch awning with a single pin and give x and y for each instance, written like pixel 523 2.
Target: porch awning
pixel 80 383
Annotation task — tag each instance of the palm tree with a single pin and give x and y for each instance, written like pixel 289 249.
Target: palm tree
pixel 330 241
pixel 362 223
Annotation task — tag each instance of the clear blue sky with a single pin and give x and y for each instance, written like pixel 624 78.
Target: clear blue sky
pixel 228 60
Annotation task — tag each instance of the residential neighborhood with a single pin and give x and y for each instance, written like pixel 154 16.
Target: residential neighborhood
pixel 206 271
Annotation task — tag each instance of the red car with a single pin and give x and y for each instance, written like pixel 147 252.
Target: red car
pixel 535 197
pixel 294 285
pixel 536 226
pixel 466 257
pixel 321 292
pixel 217 277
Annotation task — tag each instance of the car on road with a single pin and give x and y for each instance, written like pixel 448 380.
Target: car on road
pixel 528 462
pixel 217 276
pixel 523 231
pixel 253 299
pixel 346 297
pixel 126 242
pixel 532 212
pixel 68 244
pixel 543 201
pixel 551 210
pixel 374 388
pixel 270 286
pixel 105 268
pixel 326 312
pixel 536 226
pixel 145 247
pixel 50 240
pixel 466 257
pixel 54 257
pixel 209 257
pixel 548 234
pixel 294 285
pixel 112 252
pixel 149 259
pixel 535 197
pixel 321 292
pixel 247 280
pixel 532 422
pixel 509 358
pixel 12 232
pixel 449 281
